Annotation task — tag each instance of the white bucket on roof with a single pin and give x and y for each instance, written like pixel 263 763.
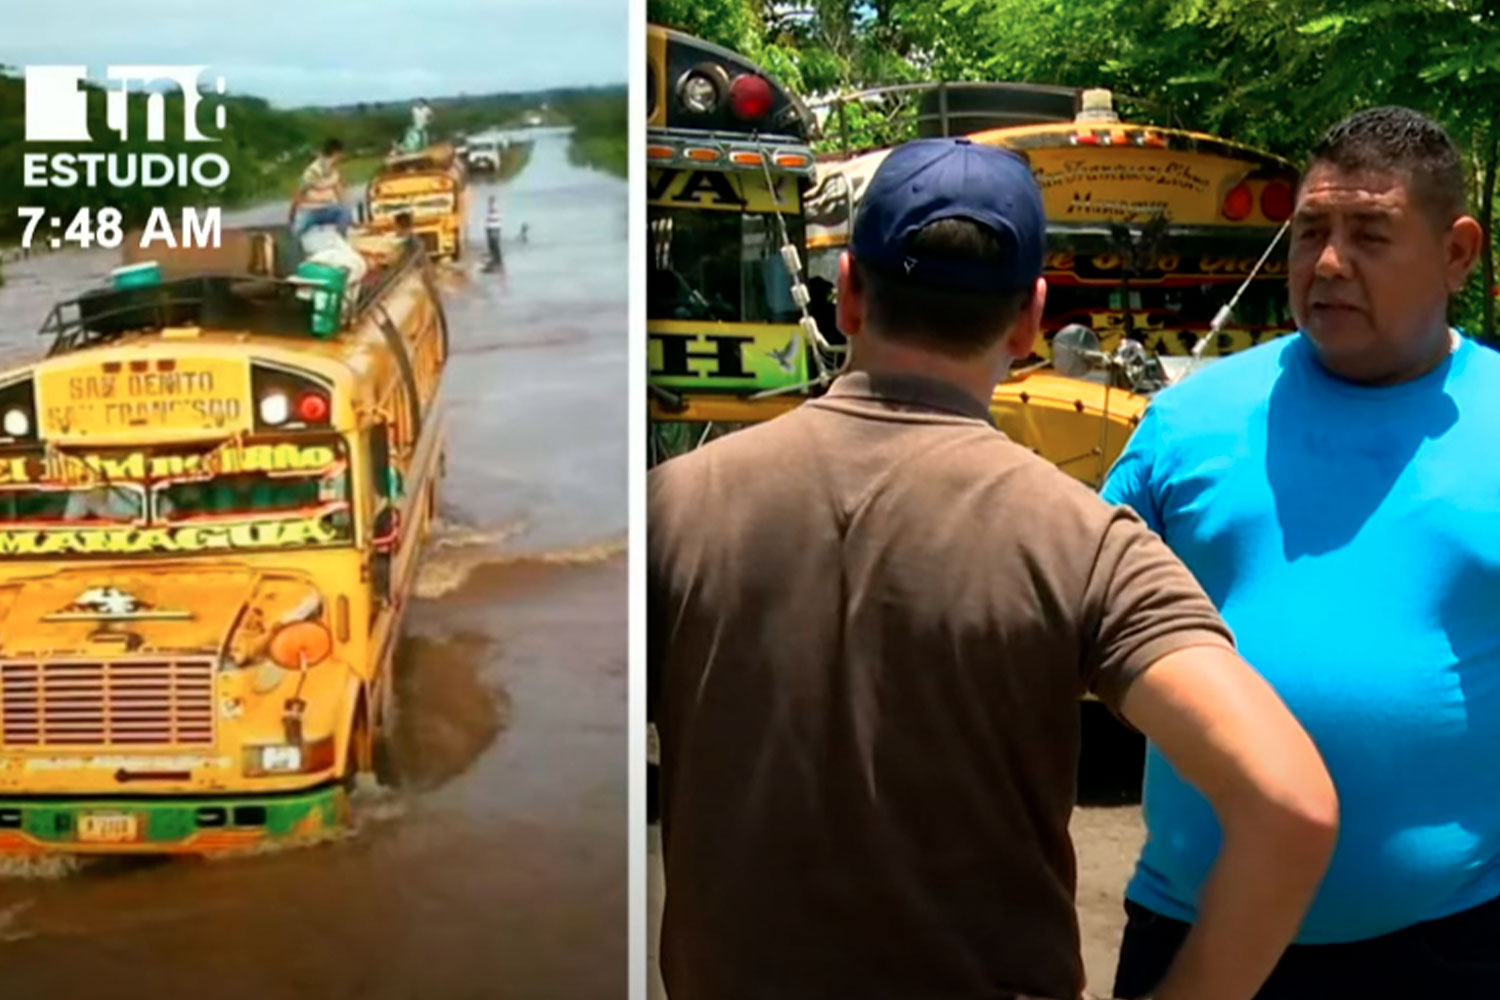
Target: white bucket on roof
pixel 324 245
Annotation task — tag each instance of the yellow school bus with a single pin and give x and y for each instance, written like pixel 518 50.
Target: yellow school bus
pixel 430 185
pixel 214 489
pixel 1151 232
pixel 727 166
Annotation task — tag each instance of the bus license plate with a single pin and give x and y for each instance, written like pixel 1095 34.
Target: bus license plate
pixel 108 828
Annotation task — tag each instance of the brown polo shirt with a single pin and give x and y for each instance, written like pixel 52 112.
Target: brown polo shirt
pixel 871 621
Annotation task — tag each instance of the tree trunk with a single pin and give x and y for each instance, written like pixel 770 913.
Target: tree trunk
pixel 1486 220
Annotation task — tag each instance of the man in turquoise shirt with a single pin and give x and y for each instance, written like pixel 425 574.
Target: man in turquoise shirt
pixel 1336 494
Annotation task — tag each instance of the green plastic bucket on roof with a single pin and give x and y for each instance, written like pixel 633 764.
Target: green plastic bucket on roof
pixel 324 285
pixel 146 274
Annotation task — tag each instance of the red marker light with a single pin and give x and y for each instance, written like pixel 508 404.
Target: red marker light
pixel 1276 201
pixel 312 408
pixel 1238 203
pixel 750 97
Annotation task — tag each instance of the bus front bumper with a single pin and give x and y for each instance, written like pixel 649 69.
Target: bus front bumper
pixel 167 825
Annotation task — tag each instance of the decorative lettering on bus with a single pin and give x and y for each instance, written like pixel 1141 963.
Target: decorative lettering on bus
pixel 722 190
pixel 1107 266
pixel 155 394
pixel 1127 169
pixel 143 384
pixel 141 466
pixel 186 538
pixel 1084 203
pixel 738 357
pixel 158 412
pixel 705 355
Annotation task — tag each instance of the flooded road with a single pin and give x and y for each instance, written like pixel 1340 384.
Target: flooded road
pixel 498 866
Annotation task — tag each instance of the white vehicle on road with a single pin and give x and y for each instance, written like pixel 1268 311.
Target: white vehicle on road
pixel 484 154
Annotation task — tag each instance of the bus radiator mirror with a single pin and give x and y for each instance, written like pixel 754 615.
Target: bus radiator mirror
pixel 1075 351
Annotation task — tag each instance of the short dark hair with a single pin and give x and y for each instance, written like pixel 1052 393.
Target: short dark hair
pixel 956 322
pixel 1400 140
pixel 332 146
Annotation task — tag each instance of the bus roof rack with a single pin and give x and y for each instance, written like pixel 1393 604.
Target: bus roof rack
pixel 944 108
pixel 253 303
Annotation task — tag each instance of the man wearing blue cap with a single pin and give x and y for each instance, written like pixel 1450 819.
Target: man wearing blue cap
pixel 870 623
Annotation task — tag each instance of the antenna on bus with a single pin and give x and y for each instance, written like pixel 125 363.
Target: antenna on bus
pixel 808 334
pixel 1222 317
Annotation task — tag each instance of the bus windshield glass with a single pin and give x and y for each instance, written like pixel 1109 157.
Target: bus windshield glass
pixel 719 265
pixel 249 494
pixel 114 504
pixel 281 495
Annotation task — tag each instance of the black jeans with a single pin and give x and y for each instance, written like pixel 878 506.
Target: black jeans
pixel 1453 958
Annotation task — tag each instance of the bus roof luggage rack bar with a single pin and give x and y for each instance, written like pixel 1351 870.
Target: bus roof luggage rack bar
pixel 250 303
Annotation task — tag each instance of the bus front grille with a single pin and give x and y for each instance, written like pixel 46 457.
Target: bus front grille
pixel 157 703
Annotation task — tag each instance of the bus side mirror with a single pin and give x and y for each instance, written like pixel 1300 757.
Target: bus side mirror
pixel 387 530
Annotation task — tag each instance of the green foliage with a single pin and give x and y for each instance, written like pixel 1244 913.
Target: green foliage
pixel 600 137
pixel 734 24
pixel 1270 73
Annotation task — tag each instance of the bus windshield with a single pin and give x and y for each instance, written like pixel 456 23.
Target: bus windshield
pixel 298 494
pixel 424 206
pixel 719 265
pixel 114 504
pixel 238 496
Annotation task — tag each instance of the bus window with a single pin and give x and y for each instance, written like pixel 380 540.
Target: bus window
pixel 113 504
pixel 721 266
pixel 245 494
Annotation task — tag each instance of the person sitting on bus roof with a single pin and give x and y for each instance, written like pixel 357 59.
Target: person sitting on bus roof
pixel 320 193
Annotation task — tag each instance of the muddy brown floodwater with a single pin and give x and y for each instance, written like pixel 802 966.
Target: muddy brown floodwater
pixel 497 866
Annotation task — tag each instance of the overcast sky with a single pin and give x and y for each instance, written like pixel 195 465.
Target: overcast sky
pixel 335 51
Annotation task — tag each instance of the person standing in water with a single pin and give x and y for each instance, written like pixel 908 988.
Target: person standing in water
pixel 492 222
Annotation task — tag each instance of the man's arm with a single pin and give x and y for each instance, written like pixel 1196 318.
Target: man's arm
pixel 1130 480
pixel 1225 731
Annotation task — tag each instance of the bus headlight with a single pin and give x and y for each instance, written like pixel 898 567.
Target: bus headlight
pixel 269 759
pixel 17 423
pixel 276 759
pixel 275 408
pixel 699 92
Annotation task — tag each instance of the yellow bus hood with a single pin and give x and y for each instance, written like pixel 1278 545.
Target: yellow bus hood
pixel 111 612
pixel 1077 425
